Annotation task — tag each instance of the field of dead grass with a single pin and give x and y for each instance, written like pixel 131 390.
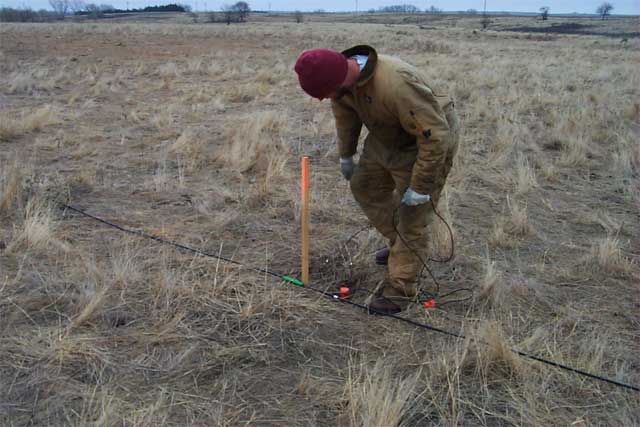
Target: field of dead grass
pixel 194 133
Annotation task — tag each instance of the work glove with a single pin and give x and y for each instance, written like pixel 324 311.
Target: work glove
pixel 347 167
pixel 411 198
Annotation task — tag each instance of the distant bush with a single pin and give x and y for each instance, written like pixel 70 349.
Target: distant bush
pixel 8 14
pixel 165 8
pixel 400 8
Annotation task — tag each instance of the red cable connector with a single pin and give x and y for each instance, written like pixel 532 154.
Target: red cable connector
pixel 344 292
pixel 429 304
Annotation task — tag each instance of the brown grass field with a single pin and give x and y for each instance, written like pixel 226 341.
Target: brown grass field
pixel 194 132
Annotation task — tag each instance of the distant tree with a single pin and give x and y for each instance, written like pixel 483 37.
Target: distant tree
pixel 44 15
pixel 485 21
pixel 93 10
pixel 604 10
pixel 8 14
pixel 228 13
pixel 371 10
pixel 472 12
pixel 76 6
pixel 434 10
pixel 242 9
pixel 544 12
pixel 235 13
pixel 60 7
pixel 298 16
pixel 96 11
pixel 319 11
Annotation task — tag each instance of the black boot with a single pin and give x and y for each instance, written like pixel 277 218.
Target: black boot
pixel 382 305
pixel 382 256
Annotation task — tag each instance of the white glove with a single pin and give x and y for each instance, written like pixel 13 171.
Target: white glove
pixel 347 167
pixel 411 198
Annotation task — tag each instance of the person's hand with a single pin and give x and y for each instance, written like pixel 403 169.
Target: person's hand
pixel 411 198
pixel 347 167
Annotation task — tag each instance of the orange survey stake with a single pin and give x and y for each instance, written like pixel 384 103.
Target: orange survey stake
pixel 305 219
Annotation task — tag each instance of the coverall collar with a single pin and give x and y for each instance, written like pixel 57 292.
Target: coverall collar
pixel 370 67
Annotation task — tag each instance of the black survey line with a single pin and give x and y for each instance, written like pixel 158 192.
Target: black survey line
pixel 335 297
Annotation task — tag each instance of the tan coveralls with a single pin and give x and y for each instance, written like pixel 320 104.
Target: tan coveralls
pixel 413 137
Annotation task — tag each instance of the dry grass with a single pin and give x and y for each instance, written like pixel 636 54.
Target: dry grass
pixel 608 256
pixel 525 176
pixel 11 185
pixel 518 223
pixel 377 399
pixel 28 122
pixel 256 141
pixel 190 145
pixel 37 230
pixel 490 289
pixel 194 133
pixel 491 355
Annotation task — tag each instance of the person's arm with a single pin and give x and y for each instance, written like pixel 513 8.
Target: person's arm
pixel 421 116
pixel 348 127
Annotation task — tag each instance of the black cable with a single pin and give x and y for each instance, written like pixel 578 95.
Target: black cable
pixel 335 297
pixel 451 239
pixel 167 242
pixel 356 233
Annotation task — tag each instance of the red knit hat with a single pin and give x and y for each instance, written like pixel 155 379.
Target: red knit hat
pixel 321 71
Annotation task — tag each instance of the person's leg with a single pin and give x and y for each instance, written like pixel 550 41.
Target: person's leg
pixel 372 186
pixel 410 244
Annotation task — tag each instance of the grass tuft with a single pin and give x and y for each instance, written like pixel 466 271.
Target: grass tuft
pixel 489 289
pixel 30 122
pixel 37 231
pixel 191 148
pixel 11 186
pixel 376 398
pixel 256 142
pixel 607 254
pixel 492 357
pixel 526 176
pixel 518 224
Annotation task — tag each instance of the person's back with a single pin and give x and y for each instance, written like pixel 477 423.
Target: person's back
pixel 375 101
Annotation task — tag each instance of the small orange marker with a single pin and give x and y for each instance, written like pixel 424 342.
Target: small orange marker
pixel 305 219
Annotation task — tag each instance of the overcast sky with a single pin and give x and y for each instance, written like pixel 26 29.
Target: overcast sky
pixel 628 7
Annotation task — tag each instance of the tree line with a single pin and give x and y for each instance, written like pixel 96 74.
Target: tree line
pixel 62 8
pixel 237 12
